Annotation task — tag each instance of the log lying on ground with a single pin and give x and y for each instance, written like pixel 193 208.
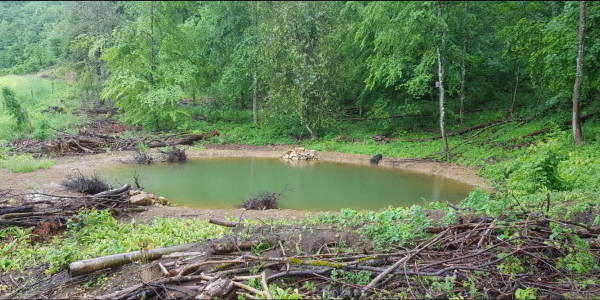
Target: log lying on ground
pixel 566 123
pixel 188 140
pixel 222 223
pixel 461 132
pixel 582 118
pixel 90 265
pixel 124 188
pixel 18 209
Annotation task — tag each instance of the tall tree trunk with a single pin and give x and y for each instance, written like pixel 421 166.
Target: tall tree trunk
pixel 462 84
pixel 433 107
pixel 392 113
pixel 254 99
pixel 577 136
pixel 514 95
pixel 441 78
pixel 152 58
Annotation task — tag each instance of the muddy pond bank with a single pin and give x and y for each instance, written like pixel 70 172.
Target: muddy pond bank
pixel 49 180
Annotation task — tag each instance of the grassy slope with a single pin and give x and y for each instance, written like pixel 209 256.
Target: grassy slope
pixel 43 96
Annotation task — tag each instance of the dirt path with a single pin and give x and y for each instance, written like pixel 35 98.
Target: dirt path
pixel 49 180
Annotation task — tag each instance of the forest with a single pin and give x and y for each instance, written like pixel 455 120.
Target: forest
pixel 508 89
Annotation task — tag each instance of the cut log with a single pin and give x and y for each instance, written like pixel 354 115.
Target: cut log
pixel 17 209
pixel 36 213
pixel 188 140
pixel 122 189
pixel 17 223
pixel 90 265
pixel 222 223
pixel 218 288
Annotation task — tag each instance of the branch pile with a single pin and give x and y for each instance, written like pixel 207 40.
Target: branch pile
pixel 486 258
pixel 175 154
pixel 37 209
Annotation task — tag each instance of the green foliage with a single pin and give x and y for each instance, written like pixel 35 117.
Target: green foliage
pixel 97 233
pixel 446 287
pixel 386 227
pixel 42 132
pixel 24 163
pixel 578 259
pixel 510 265
pixel 360 278
pixel 279 293
pixel 14 108
pixel 528 293
pixel 46 93
pixel 538 169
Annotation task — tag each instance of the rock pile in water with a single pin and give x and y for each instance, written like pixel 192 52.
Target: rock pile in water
pixel 300 154
pixel 140 198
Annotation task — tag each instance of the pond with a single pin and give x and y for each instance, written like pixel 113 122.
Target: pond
pixel 223 183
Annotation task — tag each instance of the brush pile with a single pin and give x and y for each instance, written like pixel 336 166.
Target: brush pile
pixel 175 154
pixel 88 186
pixel 264 200
pixel 491 258
pixel 32 209
pixel 141 158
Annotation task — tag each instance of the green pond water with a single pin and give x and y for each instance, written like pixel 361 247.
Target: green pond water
pixel 318 186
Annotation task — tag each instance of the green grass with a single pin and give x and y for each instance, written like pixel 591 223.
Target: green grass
pixel 37 94
pixel 23 163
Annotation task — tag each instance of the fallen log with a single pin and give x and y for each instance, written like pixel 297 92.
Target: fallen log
pixel 124 188
pixel 530 135
pixel 17 223
pixel 90 265
pixel 460 132
pixel 582 118
pixel 222 223
pixel 37 213
pixel 188 140
pixel 18 209
pixel 383 118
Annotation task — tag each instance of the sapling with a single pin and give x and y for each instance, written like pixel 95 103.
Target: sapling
pixel 14 107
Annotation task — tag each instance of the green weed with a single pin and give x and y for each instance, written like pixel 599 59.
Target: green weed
pixel 24 163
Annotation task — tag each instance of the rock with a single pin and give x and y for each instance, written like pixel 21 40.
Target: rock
pixel 299 153
pixel 152 196
pixel 133 192
pixel 162 200
pixel 141 199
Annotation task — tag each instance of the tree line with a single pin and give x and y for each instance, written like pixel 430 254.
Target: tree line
pixel 297 63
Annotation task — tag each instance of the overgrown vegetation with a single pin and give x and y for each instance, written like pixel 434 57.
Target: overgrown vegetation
pixel 97 233
pixel 34 95
pixel 23 163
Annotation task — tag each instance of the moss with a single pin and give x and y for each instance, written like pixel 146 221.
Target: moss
pixel 221 267
pixel 294 261
pixel 366 258
pixel 322 263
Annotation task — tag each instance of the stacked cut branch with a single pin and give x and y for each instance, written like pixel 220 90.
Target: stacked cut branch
pixel 36 209
pixel 529 257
